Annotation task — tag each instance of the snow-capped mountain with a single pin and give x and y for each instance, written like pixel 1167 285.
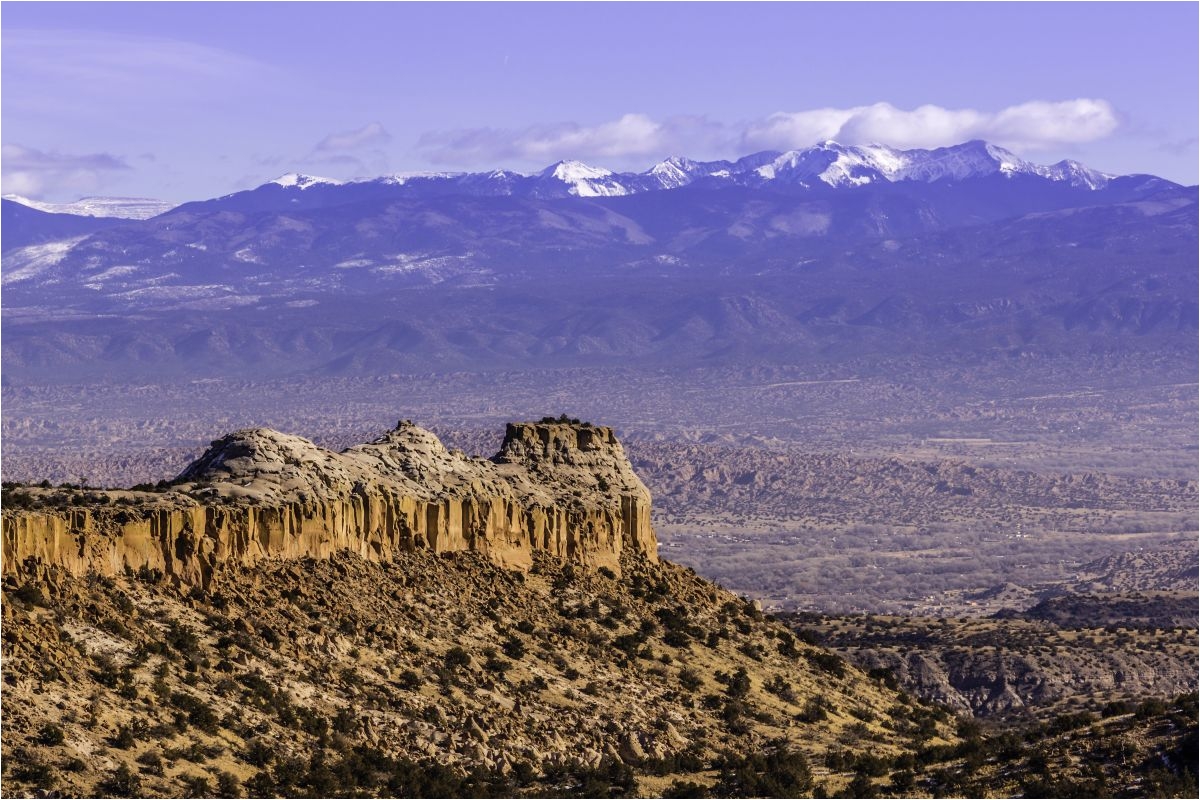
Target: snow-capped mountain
pixel 822 166
pixel 416 271
pixel 1074 173
pixel 828 163
pixel 676 172
pixel 115 207
pixel 299 181
pixel 579 180
pixel 857 165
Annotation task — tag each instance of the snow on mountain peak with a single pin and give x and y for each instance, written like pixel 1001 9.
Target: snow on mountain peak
pixel 836 164
pixel 1075 174
pixel 971 159
pixel 585 181
pixel 828 162
pixel 673 165
pixel 573 171
pixel 401 178
pixel 674 172
pixel 299 181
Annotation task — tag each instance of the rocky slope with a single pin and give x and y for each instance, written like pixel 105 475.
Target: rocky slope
pixel 448 675
pixel 565 489
pixel 400 620
pixel 353 624
pixel 1015 668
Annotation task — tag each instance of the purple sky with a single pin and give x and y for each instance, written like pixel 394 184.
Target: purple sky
pixel 187 100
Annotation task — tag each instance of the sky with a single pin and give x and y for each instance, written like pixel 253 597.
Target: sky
pixel 180 101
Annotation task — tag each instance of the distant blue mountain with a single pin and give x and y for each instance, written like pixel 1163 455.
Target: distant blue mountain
pixel 772 255
pixel 828 165
pixel 23 226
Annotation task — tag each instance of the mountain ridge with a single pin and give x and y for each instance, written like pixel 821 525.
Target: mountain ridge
pixel 491 268
pixel 828 163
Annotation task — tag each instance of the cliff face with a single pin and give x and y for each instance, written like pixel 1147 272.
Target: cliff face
pixel 259 494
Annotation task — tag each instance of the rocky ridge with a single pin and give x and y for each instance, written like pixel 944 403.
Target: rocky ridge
pixel 561 488
pixel 1049 663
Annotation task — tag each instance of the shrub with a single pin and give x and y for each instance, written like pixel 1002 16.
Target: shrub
pixel 1150 708
pixel 152 761
pixel 124 738
pixel 514 648
pixel 196 786
pixel 781 688
pixel 813 711
pixel 259 753
pixel 456 657
pixel 228 785
pixel 862 786
pixel 778 772
pixel 51 735
pixel 736 685
pixel 689 679
pixel 31 594
pixel 828 662
pixel 123 782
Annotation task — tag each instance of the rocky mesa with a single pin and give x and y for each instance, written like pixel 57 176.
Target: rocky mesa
pixel 563 488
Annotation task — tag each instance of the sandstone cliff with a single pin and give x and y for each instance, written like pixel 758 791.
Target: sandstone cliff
pixel 565 489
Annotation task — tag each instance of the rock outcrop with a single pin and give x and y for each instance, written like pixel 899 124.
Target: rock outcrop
pixel 566 489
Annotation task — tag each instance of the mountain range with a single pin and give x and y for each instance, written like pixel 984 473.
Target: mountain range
pixel 810 253
pixel 829 164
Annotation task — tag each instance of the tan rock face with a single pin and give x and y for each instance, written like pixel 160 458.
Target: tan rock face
pixel 259 494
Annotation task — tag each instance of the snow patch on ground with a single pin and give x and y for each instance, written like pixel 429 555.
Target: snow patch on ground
pixel 116 207
pixel 115 272
pixel 29 262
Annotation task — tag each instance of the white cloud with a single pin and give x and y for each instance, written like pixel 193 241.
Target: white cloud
pixel 779 131
pixel 1040 124
pixel 632 134
pixel 637 137
pixel 371 134
pixel 1027 126
pixel 35 173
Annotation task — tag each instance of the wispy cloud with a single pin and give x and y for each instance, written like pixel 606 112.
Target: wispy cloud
pixel 353 153
pixel 371 134
pixel 34 173
pixel 632 135
pixel 113 63
pixel 1028 126
pixel 1178 147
